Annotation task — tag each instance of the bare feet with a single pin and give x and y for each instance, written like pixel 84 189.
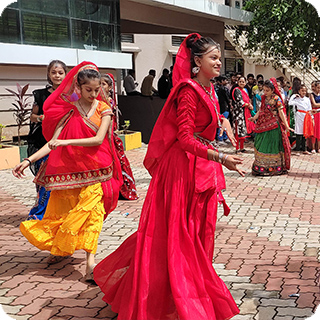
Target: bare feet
pixel 55 259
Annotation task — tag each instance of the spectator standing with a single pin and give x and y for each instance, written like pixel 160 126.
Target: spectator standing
pixel 250 84
pixel 255 87
pixel 257 94
pixel 241 107
pixel 147 88
pixel 164 84
pixel 281 84
pixel 56 72
pixel 130 85
pixel 224 103
pixel 302 110
pixel 233 81
pixel 315 102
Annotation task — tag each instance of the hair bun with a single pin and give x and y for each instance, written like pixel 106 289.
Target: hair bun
pixel 192 39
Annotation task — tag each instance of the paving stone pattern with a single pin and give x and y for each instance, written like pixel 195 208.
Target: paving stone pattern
pixel 266 249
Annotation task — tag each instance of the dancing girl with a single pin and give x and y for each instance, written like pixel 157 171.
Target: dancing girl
pixel 164 270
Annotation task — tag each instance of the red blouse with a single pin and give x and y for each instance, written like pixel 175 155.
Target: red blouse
pixel 193 117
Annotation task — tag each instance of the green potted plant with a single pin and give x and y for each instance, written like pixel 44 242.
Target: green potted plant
pixel 130 139
pixel 9 155
pixel 21 113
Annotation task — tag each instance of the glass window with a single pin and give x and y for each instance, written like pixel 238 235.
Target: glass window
pixel 84 24
pixel 94 10
pixel 45 30
pixel 57 7
pixel 10 26
pixel 95 36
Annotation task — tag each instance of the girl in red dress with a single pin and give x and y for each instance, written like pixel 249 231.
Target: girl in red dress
pixel 128 189
pixel 164 270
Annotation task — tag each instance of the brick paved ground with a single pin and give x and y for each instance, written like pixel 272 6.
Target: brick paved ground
pixel 266 249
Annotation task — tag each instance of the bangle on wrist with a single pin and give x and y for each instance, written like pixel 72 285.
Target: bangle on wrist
pixel 26 159
pixel 220 157
pixel 225 159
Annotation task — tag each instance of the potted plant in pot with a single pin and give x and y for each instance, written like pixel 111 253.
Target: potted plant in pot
pixel 130 139
pixel 9 155
pixel 21 113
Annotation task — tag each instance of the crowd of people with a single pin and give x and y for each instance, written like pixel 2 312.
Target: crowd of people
pixel 279 117
pixel 164 270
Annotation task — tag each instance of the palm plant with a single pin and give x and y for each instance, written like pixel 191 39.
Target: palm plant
pixel 21 107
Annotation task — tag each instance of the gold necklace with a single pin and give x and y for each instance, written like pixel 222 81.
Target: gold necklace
pixel 211 97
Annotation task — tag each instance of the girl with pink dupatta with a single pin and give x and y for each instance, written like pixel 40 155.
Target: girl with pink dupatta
pixel 164 270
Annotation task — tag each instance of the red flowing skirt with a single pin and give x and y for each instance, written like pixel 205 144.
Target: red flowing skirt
pixel 317 125
pixel 164 270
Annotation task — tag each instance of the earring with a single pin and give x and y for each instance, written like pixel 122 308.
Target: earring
pixel 195 70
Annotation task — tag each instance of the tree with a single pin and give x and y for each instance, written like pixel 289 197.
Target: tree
pixel 282 28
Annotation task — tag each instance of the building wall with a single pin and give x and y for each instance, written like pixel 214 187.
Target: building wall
pixel 155 52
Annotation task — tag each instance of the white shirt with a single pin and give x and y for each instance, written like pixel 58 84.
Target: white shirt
pixel 303 104
pixel 129 84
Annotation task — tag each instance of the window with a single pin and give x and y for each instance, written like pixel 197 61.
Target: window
pixel 10 26
pixel 127 38
pixel 84 24
pixel 177 40
pixel 48 31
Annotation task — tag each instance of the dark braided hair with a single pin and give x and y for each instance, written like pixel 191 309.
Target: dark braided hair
pixel 200 46
pixel 86 75
pixel 269 85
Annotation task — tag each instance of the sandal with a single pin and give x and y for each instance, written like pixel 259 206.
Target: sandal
pixel 55 259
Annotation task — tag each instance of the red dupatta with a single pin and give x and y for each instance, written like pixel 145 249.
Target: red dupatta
pixel 247 114
pixel 114 104
pixel 268 121
pixel 74 166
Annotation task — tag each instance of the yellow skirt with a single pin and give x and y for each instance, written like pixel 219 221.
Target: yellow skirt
pixel 73 221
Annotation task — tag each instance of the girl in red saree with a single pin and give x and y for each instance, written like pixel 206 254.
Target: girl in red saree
pixel 128 189
pixel 164 270
pixel 271 146
pixel 82 171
